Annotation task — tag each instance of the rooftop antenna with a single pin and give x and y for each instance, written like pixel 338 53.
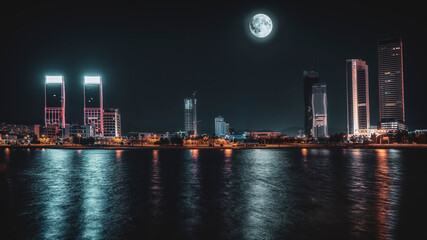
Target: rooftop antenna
pixel 194 93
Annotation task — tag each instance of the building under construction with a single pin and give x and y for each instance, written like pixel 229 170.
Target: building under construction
pixel 190 115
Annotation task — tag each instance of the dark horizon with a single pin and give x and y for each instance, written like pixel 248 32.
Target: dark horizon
pixel 152 56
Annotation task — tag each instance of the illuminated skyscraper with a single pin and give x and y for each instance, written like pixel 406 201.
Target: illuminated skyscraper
pixel 357 84
pixel 190 115
pixel 112 123
pixel 320 111
pixel 54 101
pixel 93 104
pixel 220 127
pixel 390 75
pixel 310 78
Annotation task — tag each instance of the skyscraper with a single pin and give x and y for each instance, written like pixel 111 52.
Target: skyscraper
pixel 310 78
pixel 54 101
pixel 320 114
pixel 93 104
pixel 391 89
pixel 112 123
pixel 190 115
pixel 357 85
pixel 220 127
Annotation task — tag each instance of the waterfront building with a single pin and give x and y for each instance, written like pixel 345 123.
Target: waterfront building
pixel 236 137
pixel 391 84
pixel 190 115
pixel 310 78
pixel 320 114
pixel 54 111
pixel 93 104
pixel 112 123
pixel 227 128
pixel 220 127
pixel 37 130
pixel 263 135
pixel 81 131
pixel 419 132
pixel 50 132
pixel 357 87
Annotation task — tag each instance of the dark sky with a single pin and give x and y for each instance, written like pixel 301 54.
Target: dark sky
pixel 152 55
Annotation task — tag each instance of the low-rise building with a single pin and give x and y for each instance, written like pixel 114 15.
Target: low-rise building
pixel 83 131
pixel 394 126
pixel 263 135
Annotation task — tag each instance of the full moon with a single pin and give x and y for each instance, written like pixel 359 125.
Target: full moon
pixel 261 25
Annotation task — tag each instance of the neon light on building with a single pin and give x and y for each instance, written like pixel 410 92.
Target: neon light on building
pixel 93 104
pixel 54 101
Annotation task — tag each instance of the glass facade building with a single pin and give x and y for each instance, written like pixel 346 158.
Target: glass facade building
pixel 310 78
pixel 93 104
pixel 54 101
pixel 190 116
pixel 391 87
pixel 357 87
pixel 220 127
pixel 320 114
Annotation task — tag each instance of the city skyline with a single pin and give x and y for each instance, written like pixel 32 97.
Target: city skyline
pixel 269 96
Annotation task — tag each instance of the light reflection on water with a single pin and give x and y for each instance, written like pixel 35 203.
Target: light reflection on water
pixel 95 183
pixel 198 194
pixel 191 190
pixel 58 168
pixel 156 186
pixel 358 192
pixel 383 187
pixel 264 194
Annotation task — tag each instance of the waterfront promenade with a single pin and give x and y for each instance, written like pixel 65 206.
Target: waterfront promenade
pixel 239 146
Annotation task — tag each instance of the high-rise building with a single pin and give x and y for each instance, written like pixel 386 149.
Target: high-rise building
pixel 220 127
pixel 93 104
pixel 320 113
pixel 190 115
pixel 112 123
pixel 310 78
pixel 391 89
pixel 54 111
pixel 357 85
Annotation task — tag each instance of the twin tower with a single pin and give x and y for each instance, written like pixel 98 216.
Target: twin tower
pixel 93 103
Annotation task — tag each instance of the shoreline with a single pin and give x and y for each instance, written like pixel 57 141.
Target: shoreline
pixel 268 146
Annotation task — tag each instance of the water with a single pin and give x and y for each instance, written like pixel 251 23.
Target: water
pixel 213 194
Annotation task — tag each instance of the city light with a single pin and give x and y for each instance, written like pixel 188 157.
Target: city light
pixel 54 79
pixel 92 79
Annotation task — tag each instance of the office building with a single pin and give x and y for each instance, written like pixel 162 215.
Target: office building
pixel 190 116
pixel 220 127
pixel 51 132
pixel 391 86
pixel 319 107
pixel 357 87
pixel 112 123
pixel 81 131
pixel 310 78
pixel 54 101
pixel 93 104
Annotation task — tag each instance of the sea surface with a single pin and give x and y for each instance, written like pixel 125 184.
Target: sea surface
pixel 213 194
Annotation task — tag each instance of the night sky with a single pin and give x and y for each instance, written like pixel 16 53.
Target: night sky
pixel 153 55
